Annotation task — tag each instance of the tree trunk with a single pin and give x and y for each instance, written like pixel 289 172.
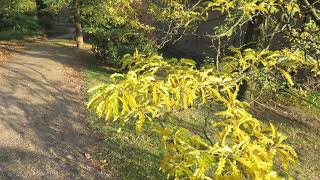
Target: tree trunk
pixel 40 7
pixel 77 23
pixel 253 32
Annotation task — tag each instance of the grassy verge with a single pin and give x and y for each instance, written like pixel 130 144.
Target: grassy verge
pixel 19 35
pixel 132 156
pixel 300 122
pixel 303 137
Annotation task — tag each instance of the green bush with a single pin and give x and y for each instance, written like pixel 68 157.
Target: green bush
pixel 20 26
pixel 46 22
pixel 111 44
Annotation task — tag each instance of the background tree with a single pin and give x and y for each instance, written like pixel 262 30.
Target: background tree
pixel 41 6
pixel 77 22
pixel 18 19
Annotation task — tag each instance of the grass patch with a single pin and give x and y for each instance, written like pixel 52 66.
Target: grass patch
pixel 302 137
pixel 18 35
pixel 313 97
pixel 62 42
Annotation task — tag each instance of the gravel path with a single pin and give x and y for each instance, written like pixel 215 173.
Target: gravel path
pixel 42 130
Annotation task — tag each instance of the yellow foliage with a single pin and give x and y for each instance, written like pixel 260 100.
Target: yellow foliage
pixel 246 149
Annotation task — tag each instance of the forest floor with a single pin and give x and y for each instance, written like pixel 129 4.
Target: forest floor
pixel 43 134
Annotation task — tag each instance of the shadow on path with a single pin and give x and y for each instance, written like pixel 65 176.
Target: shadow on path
pixel 42 130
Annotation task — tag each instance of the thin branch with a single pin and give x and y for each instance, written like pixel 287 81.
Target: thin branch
pixel 205 132
pixel 313 12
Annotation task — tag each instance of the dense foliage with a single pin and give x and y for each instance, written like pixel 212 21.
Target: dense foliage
pixel 28 18
pixel 112 31
pixel 244 148
pixel 18 19
pixel 154 86
pixel 111 44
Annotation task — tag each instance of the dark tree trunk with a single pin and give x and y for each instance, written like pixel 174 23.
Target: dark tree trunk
pixel 253 32
pixel 46 19
pixel 77 23
pixel 251 39
pixel 40 7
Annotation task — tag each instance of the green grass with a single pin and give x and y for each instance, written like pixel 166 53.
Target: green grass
pixel 314 98
pixel 302 136
pixel 137 156
pixel 61 42
pixel 128 155
pixel 16 35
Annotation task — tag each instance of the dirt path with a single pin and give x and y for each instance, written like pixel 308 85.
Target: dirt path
pixel 42 129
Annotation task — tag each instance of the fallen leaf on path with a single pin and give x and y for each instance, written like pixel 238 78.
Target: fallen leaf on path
pixel 87 155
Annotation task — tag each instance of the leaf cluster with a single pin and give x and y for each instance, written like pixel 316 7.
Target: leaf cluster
pixel 155 86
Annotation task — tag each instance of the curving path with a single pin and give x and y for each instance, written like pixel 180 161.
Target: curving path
pixel 42 130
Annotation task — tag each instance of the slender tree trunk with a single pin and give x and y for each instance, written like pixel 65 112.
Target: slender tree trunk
pixel 40 7
pixel 77 23
pixel 252 35
pixel 253 32
pixel 45 18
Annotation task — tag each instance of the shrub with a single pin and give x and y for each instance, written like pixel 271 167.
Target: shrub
pixel 20 26
pixel 111 44
pixel 24 22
